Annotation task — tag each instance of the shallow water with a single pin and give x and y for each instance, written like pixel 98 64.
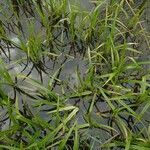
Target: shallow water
pixel 68 74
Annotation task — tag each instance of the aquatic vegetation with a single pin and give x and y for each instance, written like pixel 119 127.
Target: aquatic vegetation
pixel 73 77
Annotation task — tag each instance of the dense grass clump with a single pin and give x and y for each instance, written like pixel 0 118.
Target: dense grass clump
pixel 73 77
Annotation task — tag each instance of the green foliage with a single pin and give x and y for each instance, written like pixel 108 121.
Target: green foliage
pixel 105 107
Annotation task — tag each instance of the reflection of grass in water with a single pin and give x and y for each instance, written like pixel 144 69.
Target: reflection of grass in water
pixel 106 37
